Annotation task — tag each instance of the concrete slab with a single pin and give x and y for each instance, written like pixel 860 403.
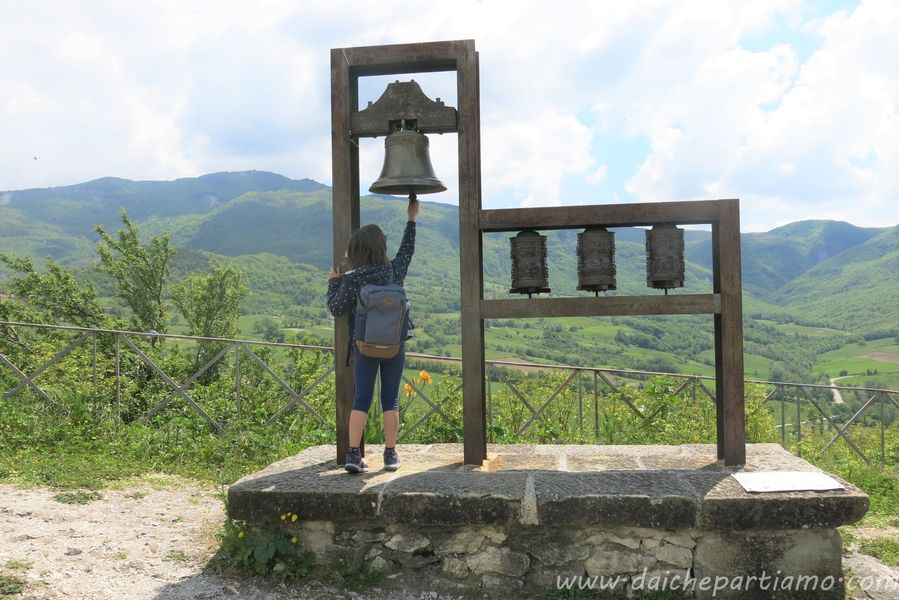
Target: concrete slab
pixel 670 487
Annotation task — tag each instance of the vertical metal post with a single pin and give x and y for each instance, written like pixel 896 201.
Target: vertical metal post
pixel 580 403
pixel 883 446
pixel 94 359
pixel 783 416
pixel 238 399
pixel 118 374
pixel 596 405
pixel 798 427
pixel 470 255
pixel 489 402
pixel 727 281
pixel 345 212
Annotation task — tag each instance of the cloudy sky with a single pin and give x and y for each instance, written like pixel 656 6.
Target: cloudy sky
pixel 791 106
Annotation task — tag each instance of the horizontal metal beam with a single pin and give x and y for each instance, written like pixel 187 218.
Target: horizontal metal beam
pixel 689 304
pixel 404 58
pixel 610 215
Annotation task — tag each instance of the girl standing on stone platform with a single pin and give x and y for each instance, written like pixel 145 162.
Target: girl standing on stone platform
pixel 367 255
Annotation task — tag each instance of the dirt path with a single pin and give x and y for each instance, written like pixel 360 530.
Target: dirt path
pixel 133 543
pixel 150 540
pixel 837 396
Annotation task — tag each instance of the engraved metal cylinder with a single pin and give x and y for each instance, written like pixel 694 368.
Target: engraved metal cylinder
pixel 665 257
pixel 530 273
pixel 596 260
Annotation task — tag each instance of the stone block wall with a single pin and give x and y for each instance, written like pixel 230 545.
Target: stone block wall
pixel 522 559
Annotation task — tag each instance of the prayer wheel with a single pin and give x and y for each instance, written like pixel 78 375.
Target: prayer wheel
pixel 530 273
pixel 596 260
pixel 665 257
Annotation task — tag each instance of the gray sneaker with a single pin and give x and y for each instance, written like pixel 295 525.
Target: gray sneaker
pixel 391 459
pixel 354 463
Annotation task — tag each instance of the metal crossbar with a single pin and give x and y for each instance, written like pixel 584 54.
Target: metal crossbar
pixel 187 383
pixel 295 397
pixel 434 409
pixel 549 400
pixel 178 389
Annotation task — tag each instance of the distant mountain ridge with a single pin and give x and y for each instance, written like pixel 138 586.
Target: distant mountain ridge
pixel 827 271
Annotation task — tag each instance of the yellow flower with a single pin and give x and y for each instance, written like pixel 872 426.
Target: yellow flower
pixel 241 534
pixel 293 540
pixel 410 391
pixel 293 518
pixel 424 377
pixel 283 517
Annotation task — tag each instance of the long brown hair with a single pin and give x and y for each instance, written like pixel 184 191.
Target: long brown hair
pixel 368 245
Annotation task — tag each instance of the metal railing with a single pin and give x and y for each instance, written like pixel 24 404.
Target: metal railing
pixel 496 372
pixel 120 337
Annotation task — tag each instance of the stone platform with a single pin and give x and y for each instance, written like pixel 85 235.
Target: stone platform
pixel 532 513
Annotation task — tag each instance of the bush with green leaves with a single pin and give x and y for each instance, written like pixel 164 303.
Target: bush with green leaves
pixel 270 548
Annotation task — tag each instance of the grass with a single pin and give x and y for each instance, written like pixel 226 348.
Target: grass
pixel 885 549
pixel 78 497
pixel 16 564
pixel 176 556
pixel 11 584
pixel 851 358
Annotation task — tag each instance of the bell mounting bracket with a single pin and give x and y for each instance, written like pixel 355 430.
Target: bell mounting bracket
pixel 403 101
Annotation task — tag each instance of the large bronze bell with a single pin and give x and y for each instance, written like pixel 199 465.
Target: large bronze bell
pixel 596 260
pixel 530 273
pixel 665 257
pixel 407 166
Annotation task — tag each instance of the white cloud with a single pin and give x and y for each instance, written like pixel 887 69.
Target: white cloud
pixel 531 156
pixel 169 89
pixel 816 137
pixel 598 175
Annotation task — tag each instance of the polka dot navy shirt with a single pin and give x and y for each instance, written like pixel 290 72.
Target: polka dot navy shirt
pixel 343 291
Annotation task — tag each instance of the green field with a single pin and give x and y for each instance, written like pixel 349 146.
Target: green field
pixel 856 360
pixel 794 329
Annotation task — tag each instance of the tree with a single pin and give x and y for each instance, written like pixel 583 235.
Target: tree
pixel 140 271
pixel 55 295
pixel 211 305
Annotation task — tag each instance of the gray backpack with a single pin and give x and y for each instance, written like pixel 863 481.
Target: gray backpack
pixel 382 319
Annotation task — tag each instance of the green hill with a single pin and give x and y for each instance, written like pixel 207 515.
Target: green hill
pixel 774 258
pixel 808 286
pixel 858 288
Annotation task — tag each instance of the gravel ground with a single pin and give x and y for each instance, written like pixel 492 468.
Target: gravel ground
pixel 151 540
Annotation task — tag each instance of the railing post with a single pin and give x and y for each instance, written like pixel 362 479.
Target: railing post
pixel 596 405
pixel 94 359
pixel 118 373
pixel 798 427
pixel 490 437
pixel 580 404
pixel 783 416
pixel 238 400
pixel 882 430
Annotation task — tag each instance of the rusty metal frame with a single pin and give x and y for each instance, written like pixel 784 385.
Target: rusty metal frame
pixel 347 66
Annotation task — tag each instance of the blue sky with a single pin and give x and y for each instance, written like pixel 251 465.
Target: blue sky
pixel 791 106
